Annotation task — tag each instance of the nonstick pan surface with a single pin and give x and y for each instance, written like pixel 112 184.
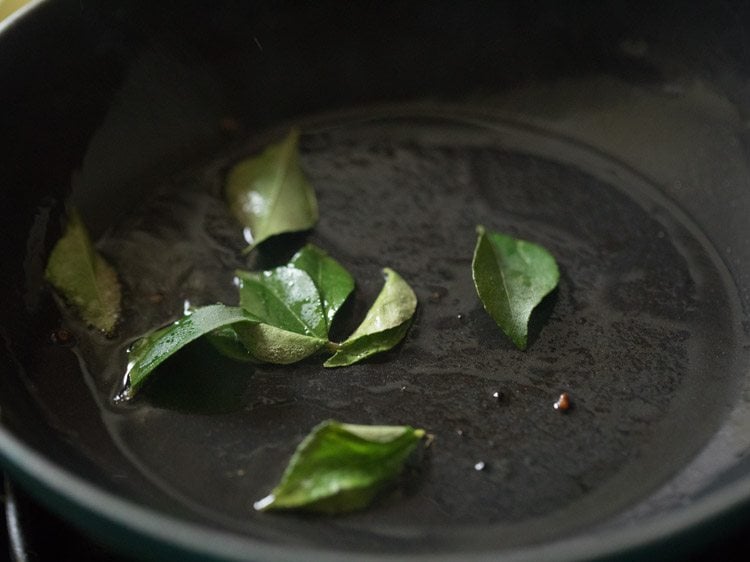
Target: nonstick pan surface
pixel 616 145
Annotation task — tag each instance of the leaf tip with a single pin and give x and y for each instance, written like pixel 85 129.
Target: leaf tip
pixel 125 395
pixel 265 504
pixel 429 438
pixel 332 363
pixel 393 275
pixel 480 230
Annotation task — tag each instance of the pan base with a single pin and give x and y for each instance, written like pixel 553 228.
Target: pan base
pixel 641 333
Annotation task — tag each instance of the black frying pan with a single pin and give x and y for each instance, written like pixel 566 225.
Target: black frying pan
pixel 613 135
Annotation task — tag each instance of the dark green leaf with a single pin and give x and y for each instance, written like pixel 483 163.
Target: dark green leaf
pixel 288 304
pixel 512 277
pixel 334 283
pixel 83 278
pixel 149 352
pixel 385 324
pixel 286 298
pixel 269 193
pixel 341 467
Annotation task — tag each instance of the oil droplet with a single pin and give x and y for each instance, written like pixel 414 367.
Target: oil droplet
pixel 480 466
pixel 563 402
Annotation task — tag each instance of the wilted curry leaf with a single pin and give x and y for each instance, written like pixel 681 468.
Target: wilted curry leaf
pixel 334 283
pixel 341 467
pixel 385 324
pixel 269 193
pixel 83 278
pixel 512 277
pixel 149 352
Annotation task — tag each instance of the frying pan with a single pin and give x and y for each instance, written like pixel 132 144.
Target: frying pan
pixel 612 133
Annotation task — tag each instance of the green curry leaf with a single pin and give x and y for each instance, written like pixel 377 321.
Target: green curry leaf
pixel 295 303
pixel 284 317
pixel 285 297
pixel 512 277
pixel 83 278
pixel 334 283
pixel 149 352
pixel 341 467
pixel 384 326
pixel 269 193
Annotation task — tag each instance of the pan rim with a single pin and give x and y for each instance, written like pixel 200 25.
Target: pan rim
pixel 19 14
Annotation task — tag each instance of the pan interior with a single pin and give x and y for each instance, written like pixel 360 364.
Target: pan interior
pixel 642 333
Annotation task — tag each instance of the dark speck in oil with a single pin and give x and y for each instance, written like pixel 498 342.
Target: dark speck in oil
pixel 563 402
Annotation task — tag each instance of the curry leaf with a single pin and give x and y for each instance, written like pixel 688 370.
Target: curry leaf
pixel 227 342
pixel 385 324
pixel 512 277
pixel 149 352
pixel 334 283
pixel 269 193
pixel 276 345
pixel 342 467
pixel 296 304
pixel 84 279
pixel 285 297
